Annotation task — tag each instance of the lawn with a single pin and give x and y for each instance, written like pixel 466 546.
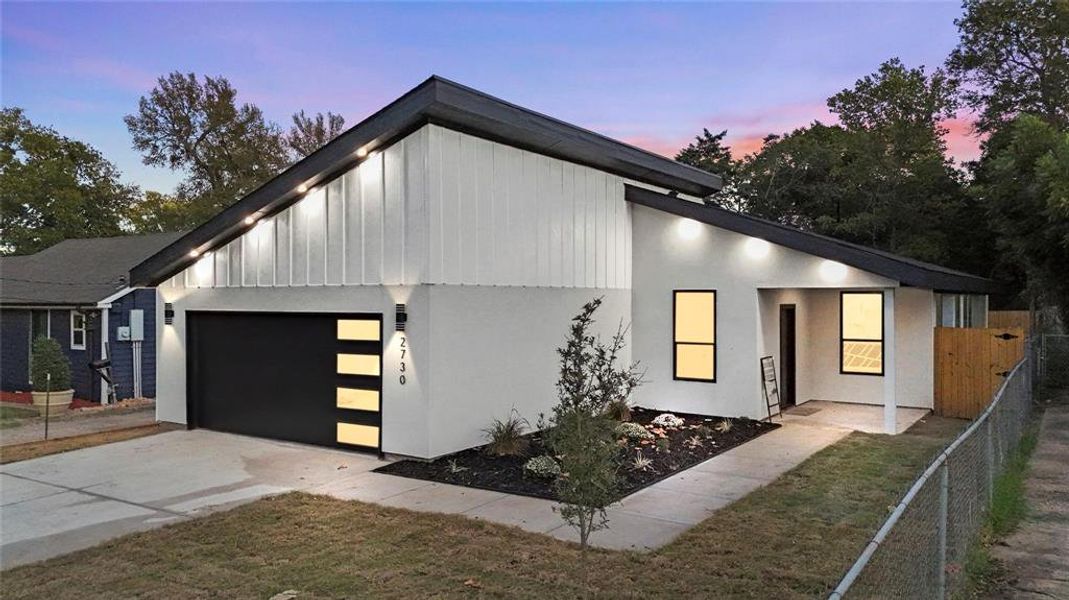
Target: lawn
pixel 792 539
pixel 17 452
pixel 13 416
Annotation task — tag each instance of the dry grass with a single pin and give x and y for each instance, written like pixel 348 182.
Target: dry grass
pixel 17 452
pixel 792 539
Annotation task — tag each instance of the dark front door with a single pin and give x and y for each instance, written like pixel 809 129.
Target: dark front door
pixel 787 355
pixel 312 378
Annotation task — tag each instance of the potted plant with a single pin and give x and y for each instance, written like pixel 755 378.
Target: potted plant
pixel 48 359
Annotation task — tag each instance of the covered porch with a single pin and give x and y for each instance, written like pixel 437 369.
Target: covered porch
pixel 858 358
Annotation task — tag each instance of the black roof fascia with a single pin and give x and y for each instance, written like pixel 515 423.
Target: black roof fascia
pixel 906 271
pixel 444 103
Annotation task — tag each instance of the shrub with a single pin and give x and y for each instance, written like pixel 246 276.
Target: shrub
pixel 668 420
pixel 633 431
pixel 505 438
pixel 619 410
pixel 640 462
pixel 663 445
pixel 724 426
pixel 47 359
pixel 542 467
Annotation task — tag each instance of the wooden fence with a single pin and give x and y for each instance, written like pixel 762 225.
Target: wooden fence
pixel 970 365
pixel 1009 318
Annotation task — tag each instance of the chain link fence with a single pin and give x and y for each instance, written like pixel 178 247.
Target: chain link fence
pixel 920 550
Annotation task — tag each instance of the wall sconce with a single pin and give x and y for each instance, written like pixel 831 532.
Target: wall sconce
pixel 168 313
pixel 400 317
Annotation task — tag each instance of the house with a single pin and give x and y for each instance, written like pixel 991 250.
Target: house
pixel 411 280
pixel 76 292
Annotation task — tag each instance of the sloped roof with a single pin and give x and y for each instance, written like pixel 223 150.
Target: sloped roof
pixel 77 271
pixel 441 102
pixel 906 271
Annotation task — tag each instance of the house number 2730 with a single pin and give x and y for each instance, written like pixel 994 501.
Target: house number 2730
pixel 404 352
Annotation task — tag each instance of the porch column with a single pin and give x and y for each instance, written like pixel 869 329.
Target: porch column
pixel 889 401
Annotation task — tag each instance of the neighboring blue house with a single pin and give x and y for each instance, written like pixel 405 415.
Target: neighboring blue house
pixel 76 293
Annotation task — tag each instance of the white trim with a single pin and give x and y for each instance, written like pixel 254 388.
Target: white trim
pixel 106 302
pixel 74 329
pixel 104 351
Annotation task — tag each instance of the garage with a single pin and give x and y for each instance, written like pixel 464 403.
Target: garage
pixel 310 378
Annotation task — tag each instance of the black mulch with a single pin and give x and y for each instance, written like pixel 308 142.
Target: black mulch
pixel 699 439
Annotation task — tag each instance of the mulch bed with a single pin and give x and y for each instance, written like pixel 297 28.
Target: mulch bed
pixel 478 469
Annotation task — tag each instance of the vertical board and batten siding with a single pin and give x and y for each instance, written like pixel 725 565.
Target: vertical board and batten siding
pixel 439 207
pixel 350 231
pixel 503 216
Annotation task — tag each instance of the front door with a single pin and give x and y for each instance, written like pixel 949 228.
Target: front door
pixel 787 348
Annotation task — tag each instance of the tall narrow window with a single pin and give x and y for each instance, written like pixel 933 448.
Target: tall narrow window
pixel 694 337
pixel 861 333
pixel 77 330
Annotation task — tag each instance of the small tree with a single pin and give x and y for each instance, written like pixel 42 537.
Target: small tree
pixel 581 432
pixel 48 360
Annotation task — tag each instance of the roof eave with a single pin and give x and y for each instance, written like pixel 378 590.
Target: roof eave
pixel 434 101
pixel 902 272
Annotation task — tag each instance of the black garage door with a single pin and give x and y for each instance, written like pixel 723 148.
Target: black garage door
pixel 312 378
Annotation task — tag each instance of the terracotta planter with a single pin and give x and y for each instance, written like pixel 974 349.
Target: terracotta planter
pixel 57 401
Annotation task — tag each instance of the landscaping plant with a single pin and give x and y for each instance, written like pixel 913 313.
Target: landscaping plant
pixel 48 359
pixel 543 467
pixel 506 437
pixel 581 433
pixel 633 431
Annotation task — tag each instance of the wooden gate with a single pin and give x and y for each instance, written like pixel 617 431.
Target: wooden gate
pixel 970 365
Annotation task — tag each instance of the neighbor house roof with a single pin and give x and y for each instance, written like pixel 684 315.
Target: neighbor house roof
pixel 76 272
pixel 906 271
pixel 441 102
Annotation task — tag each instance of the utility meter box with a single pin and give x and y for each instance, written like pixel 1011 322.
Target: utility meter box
pixel 137 325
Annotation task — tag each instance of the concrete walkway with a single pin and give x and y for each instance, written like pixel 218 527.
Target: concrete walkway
pixel 71 424
pixel 645 520
pixel 61 503
pixel 1036 556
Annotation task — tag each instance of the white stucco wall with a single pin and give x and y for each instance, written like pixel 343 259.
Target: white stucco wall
pixel 493 349
pixel 715 259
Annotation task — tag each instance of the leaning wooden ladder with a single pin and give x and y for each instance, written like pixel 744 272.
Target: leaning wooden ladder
pixel 771 386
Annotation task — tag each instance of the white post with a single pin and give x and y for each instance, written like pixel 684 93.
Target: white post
pixel 890 408
pixel 104 310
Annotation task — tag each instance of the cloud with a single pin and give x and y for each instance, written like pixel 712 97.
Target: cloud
pixel 963 145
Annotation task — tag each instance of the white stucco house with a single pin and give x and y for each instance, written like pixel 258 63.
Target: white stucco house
pixel 411 280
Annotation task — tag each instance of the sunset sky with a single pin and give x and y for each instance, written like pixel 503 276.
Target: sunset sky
pixel 649 74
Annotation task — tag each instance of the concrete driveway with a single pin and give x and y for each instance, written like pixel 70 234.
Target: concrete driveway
pixel 65 502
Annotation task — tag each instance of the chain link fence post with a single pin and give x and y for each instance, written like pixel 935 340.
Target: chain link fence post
pixel 944 516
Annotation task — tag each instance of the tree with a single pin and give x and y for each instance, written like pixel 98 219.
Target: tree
pixel 155 212
pixel 53 188
pixel 903 107
pixel 227 150
pixel 1014 56
pixel 879 178
pixel 1023 180
pixel 580 433
pixel 708 152
pixel 309 134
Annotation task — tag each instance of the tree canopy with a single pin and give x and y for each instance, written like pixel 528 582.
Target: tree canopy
pixel 309 134
pixel 53 188
pixel 1014 57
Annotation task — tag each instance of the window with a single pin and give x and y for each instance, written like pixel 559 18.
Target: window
pixel 861 333
pixel 961 310
pixel 694 337
pixel 77 330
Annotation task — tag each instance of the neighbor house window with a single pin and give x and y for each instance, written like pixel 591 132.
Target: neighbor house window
pixel 694 337
pixel 77 330
pixel 861 333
